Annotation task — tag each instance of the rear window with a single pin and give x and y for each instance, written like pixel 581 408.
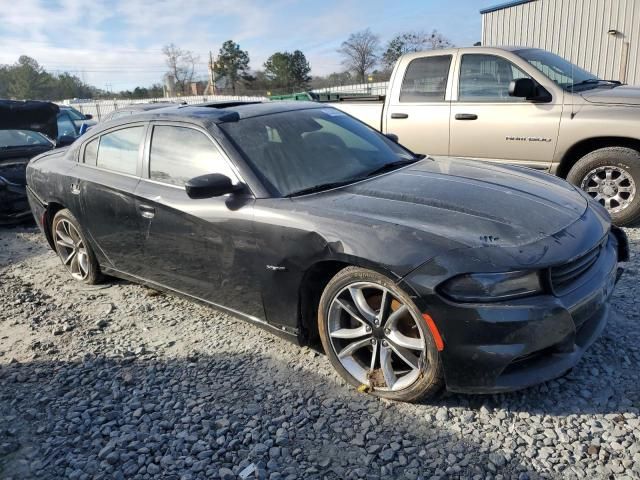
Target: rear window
pixel 91 152
pixel 426 79
pixel 118 151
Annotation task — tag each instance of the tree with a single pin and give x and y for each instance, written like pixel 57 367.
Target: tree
pixel 27 79
pixel 288 70
pixel 181 65
pixel 412 42
pixel 360 53
pixel 232 64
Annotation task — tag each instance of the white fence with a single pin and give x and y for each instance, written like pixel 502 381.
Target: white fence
pixel 99 108
pixel 376 88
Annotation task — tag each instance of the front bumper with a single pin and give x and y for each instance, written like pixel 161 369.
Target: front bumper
pixel 505 346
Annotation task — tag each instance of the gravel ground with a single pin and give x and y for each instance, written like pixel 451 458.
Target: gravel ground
pixel 118 381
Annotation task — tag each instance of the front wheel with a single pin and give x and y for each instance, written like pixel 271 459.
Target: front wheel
pixel 611 176
pixel 376 338
pixel 73 249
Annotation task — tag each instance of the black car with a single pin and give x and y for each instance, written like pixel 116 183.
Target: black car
pixel 414 273
pixel 26 130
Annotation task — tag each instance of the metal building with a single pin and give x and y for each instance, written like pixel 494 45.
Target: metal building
pixel 601 36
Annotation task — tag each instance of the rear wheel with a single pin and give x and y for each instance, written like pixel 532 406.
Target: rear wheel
pixel 611 176
pixel 73 249
pixel 376 338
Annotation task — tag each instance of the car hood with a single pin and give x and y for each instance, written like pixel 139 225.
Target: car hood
pixel 624 94
pixel 465 202
pixel 29 115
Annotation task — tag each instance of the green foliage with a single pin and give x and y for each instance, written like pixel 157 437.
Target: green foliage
pixel 232 64
pixel 288 71
pixel 26 79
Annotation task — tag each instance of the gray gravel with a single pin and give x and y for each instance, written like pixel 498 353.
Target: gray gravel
pixel 117 381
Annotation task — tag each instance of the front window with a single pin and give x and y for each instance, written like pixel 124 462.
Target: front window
pixel 22 138
pixel 179 154
pixel 74 114
pixel 564 73
pixel 305 150
pixel 66 128
pixel 486 78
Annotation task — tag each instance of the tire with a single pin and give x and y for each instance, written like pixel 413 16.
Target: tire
pixel 73 249
pixel 623 166
pixel 365 332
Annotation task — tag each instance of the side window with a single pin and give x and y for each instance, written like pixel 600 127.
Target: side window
pixel 486 78
pixel 65 126
pixel 178 154
pixel 91 152
pixel 118 151
pixel 426 79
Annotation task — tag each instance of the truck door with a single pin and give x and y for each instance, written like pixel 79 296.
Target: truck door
pixel 487 123
pixel 418 109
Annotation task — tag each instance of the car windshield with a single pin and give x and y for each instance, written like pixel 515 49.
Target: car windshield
pixel 22 138
pixel 562 72
pixel 302 151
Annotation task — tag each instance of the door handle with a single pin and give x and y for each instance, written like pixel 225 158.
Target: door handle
pixel 399 115
pixel 466 116
pixel 147 211
pixel 75 189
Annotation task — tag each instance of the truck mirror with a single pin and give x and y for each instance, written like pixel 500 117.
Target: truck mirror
pixel 522 87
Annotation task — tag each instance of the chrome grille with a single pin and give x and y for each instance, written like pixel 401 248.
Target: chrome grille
pixel 562 276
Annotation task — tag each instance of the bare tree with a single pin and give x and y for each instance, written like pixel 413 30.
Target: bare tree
pixel 360 52
pixel 182 64
pixel 412 42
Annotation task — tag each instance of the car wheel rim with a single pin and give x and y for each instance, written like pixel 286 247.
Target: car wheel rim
pixel 612 186
pixel 71 249
pixel 376 337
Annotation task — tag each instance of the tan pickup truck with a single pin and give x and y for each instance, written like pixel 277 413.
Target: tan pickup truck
pixel 520 106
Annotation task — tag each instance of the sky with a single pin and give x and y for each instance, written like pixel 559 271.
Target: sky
pixel 116 44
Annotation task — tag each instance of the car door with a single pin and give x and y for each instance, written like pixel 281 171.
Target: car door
pixel 418 110
pixel 204 247
pixel 105 180
pixel 489 124
pixel 66 126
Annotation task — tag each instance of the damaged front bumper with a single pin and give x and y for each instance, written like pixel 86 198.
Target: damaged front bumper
pixel 14 206
pixel 510 345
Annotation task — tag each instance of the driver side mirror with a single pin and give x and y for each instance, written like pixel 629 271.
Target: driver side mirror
pixel 528 89
pixel 210 185
pixel 88 116
pixel 392 136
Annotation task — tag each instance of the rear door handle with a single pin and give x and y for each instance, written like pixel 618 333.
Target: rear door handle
pixel 399 115
pixel 466 116
pixel 75 189
pixel 147 211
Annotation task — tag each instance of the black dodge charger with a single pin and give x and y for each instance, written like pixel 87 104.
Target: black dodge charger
pixel 414 272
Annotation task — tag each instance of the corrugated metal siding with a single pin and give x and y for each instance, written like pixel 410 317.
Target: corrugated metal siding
pixel 574 29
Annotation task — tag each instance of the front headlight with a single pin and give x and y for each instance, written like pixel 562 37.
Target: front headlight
pixel 492 287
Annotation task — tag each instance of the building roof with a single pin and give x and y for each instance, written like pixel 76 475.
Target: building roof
pixel 502 6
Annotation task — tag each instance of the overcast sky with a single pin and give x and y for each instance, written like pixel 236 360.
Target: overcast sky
pixel 119 42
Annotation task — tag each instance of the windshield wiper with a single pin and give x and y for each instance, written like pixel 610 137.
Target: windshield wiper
pixel 390 166
pixel 595 81
pixel 320 188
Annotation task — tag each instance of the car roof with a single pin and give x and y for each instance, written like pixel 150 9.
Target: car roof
pixel 207 114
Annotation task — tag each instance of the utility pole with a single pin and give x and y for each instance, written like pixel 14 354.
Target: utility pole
pixel 212 77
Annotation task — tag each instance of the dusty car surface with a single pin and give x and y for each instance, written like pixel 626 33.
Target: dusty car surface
pixel 26 130
pixel 415 273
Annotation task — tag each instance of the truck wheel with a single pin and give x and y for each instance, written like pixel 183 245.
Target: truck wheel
pixel 611 176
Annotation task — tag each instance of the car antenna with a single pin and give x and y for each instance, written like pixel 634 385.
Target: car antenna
pixel 573 82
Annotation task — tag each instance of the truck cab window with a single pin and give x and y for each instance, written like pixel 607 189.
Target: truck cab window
pixel 486 78
pixel 426 79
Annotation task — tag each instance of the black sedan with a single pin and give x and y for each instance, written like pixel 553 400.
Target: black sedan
pixel 414 273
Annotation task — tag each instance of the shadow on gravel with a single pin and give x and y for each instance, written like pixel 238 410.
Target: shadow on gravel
pixel 149 418
pixel 14 248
